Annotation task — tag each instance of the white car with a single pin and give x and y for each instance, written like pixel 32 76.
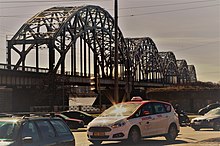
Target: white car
pixel 134 120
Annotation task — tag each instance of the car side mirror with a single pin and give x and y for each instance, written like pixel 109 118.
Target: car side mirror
pixel 146 113
pixel 27 139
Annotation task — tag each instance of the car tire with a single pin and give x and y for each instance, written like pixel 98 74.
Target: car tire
pixel 196 128
pixel 216 126
pixel 172 133
pixel 96 142
pixel 134 135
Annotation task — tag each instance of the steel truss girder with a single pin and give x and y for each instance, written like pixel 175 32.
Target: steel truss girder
pixel 59 29
pixel 145 59
pixel 183 71
pixel 192 73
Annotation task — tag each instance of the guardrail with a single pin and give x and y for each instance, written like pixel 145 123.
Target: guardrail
pixel 85 108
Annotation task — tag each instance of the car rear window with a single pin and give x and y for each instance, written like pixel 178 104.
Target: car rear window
pixel 60 127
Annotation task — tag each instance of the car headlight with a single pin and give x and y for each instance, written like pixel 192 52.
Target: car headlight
pixel 210 120
pixel 118 124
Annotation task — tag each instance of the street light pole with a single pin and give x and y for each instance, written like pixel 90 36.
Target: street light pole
pixel 116 52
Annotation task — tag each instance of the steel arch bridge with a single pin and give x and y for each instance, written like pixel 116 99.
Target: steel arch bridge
pixel 81 41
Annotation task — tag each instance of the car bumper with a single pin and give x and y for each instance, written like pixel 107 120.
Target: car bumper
pixel 112 134
pixel 202 124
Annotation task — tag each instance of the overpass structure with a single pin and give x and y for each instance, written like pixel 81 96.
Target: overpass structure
pixel 69 45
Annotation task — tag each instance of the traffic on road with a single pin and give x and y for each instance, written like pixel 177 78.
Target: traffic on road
pixel 135 122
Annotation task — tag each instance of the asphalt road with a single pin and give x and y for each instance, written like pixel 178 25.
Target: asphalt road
pixel 186 137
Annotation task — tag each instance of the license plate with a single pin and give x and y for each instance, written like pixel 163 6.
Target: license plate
pixel 99 133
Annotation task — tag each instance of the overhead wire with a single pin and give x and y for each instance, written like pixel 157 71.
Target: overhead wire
pixel 45 1
pixel 197 46
pixel 166 4
pixel 168 11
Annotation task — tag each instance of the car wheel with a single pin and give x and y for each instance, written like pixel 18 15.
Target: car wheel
pixel 172 133
pixel 134 135
pixel 196 128
pixel 96 142
pixel 216 126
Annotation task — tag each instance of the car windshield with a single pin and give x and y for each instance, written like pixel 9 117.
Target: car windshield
pixel 121 109
pixel 7 130
pixel 214 112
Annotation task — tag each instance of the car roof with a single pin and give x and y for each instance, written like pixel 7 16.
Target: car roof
pixel 76 111
pixel 19 118
pixel 147 101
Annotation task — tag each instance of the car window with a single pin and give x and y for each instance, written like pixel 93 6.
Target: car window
pixel 30 130
pixel 167 107
pixel 46 129
pixel 147 108
pixel 159 108
pixel 71 114
pixel 60 127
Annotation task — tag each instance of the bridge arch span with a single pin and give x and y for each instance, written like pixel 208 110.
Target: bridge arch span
pixel 145 59
pixel 80 41
pixel 183 71
pixel 192 73
pixel 170 70
pixel 67 32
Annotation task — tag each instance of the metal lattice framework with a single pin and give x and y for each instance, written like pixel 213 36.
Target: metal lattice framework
pixel 146 62
pixel 183 71
pixel 81 40
pixel 84 31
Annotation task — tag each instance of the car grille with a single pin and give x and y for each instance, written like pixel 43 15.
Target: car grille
pixel 200 120
pixel 99 129
pixel 100 137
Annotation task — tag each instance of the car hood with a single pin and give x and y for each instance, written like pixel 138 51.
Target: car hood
pixel 206 117
pixel 106 121
pixel 6 143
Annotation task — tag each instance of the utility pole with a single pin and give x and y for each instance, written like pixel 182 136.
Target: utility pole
pixel 116 52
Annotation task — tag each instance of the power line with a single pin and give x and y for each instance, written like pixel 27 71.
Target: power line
pixel 138 7
pixel 167 4
pixel 168 11
pixel 193 47
pixel 46 1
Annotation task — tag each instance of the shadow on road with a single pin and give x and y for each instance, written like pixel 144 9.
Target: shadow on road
pixel 145 142
pixel 79 130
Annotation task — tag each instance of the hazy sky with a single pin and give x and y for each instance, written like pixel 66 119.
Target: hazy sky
pixel 189 28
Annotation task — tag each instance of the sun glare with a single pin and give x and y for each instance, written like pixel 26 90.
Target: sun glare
pixel 119 110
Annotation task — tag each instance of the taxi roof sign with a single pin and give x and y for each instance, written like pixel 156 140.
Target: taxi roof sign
pixel 136 98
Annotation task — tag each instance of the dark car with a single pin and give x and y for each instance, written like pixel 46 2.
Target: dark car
pixel 35 131
pixel 87 118
pixel 72 123
pixel 209 120
pixel 209 107
pixel 5 115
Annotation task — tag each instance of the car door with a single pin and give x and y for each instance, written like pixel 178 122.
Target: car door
pixel 30 135
pixel 161 118
pixel 64 135
pixel 147 123
pixel 47 132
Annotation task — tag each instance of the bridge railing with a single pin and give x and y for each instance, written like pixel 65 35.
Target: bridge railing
pixel 26 68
